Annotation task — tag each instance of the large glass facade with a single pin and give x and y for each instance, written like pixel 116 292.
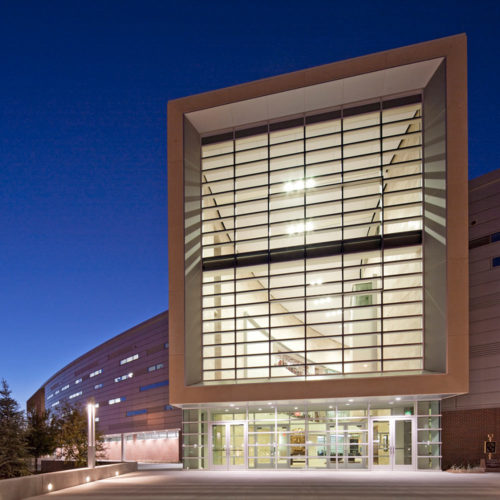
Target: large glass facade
pixel 391 436
pixel 311 248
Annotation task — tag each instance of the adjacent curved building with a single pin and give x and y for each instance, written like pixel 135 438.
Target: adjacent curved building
pixel 127 377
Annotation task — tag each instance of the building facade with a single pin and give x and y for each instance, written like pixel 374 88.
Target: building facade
pixel 468 419
pixel 318 251
pixel 127 378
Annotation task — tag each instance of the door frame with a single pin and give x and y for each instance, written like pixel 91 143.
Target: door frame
pixel 392 435
pixel 346 445
pixel 227 424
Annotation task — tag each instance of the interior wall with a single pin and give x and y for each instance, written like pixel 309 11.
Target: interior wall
pixel 144 450
pixel 435 309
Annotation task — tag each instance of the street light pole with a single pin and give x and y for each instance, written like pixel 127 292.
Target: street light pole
pixel 91 436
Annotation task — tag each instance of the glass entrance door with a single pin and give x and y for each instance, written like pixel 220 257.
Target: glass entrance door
pixel 228 445
pixel 261 446
pixel 392 444
pixel 348 442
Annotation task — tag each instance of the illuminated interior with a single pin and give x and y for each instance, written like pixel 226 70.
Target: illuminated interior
pixel 387 435
pixel 312 246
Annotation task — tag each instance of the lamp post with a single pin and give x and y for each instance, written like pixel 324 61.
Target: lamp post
pixel 91 436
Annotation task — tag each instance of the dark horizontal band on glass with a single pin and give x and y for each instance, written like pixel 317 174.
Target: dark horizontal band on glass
pixel 358 110
pixel 248 132
pixel 402 101
pixel 323 117
pixel 484 240
pixel 311 251
pixel 213 139
pixel 296 122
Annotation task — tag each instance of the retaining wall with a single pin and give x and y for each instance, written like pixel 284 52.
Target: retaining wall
pixel 29 486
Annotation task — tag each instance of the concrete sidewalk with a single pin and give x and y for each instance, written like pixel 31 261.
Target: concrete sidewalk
pixel 289 485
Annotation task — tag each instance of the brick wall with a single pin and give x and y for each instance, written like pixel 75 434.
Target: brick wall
pixel 464 432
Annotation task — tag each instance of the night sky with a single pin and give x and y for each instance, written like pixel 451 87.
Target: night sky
pixel 83 93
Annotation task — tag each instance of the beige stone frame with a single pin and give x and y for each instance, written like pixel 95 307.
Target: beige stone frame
pixel 455 380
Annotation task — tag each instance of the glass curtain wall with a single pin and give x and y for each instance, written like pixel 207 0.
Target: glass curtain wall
pixel 312 437
pixel 311 246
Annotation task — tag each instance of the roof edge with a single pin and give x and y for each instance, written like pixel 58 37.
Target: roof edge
pixel 106 343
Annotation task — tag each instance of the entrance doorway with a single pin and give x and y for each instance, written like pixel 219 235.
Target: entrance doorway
pixel 392 443
pixel 228 445
pixel 349 443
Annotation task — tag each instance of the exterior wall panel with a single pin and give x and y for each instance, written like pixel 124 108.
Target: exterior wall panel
pixel 192 203
pixel 435 227
pixel 468 419
pixel 484 298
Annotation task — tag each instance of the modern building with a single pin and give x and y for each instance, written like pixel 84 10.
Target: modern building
pixel 318 256
pixel 468 419
pixel 127 377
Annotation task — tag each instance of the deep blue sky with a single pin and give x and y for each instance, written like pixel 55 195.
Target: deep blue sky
pixel 83 92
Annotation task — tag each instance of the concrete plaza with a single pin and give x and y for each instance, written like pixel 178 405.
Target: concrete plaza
pixel 191 485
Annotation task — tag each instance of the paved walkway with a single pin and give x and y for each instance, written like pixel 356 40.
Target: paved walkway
pixel 289 485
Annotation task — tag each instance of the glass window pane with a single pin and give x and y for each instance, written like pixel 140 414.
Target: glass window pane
pixel 301 191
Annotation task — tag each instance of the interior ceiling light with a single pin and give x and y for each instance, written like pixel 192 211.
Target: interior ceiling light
pixel 323 300
pixel 300 227
pixel 299 184
pixel 333 313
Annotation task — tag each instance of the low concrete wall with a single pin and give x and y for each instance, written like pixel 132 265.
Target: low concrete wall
pixel 29 486
pixel 59 465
